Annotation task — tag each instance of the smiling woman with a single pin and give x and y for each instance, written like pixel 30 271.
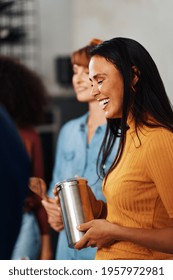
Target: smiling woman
pixel 139 184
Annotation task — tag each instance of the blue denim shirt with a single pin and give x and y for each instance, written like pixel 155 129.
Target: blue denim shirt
pixel 74 156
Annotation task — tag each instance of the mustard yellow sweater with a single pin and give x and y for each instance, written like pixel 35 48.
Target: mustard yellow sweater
pixel 139 192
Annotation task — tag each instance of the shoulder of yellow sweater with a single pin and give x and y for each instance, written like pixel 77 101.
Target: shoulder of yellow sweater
pixel 159 137
pixel 162 131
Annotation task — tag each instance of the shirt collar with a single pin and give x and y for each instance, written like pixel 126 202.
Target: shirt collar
pixel 83 123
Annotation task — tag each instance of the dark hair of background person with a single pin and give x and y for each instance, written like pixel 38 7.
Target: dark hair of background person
pixel 23 93
pixel 147 98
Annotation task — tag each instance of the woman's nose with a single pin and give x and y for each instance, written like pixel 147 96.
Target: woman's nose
pixel 94 91
pixel 80 77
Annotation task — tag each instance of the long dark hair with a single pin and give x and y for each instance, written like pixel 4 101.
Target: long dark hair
pixel 22 92
pixel 147 98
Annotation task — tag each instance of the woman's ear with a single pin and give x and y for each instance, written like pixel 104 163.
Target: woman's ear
pixel 136 74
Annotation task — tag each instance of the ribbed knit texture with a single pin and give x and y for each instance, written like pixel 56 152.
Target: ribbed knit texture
pixel 139 191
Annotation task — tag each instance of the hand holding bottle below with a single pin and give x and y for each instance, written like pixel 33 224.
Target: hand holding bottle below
pixel 99 233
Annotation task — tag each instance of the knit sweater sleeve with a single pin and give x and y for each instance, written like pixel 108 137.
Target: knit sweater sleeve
pixel 160 166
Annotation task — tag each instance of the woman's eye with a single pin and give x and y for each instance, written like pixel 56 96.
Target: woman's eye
pixel 99 82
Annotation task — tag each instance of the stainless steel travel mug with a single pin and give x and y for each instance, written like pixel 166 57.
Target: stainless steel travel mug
pixel 75 205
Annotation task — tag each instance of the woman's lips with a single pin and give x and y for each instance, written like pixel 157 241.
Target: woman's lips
pixel 103 103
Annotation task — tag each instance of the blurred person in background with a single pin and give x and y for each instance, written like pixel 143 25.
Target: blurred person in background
pixel 77 150
pixel 14 176
pixel 24 97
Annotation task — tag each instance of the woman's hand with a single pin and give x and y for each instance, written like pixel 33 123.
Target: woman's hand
pixel 99 207
pixel 99 233
pixel 53 210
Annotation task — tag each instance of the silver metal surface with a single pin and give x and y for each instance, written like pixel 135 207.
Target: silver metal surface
pixel 75 205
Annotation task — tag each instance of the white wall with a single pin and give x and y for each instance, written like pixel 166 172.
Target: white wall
pixel 56 21
pixel 70 24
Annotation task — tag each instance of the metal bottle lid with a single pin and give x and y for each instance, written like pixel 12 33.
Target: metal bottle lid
pixel 70 182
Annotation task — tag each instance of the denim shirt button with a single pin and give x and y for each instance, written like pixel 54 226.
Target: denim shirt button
pixel 104 166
